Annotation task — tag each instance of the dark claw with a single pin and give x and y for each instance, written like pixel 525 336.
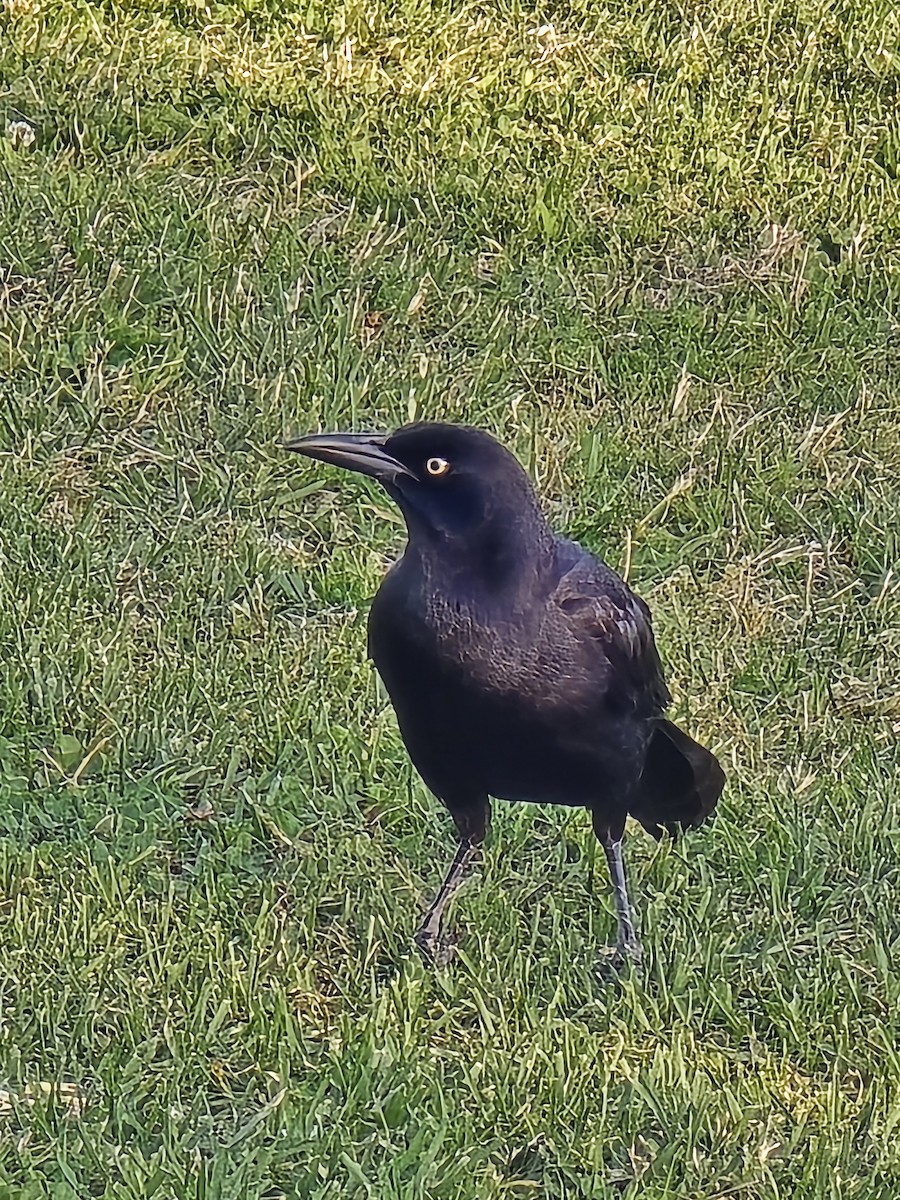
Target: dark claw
pixel 436 950
pixel 620 959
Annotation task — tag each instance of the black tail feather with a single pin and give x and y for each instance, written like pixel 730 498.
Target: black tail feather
pixel 680 784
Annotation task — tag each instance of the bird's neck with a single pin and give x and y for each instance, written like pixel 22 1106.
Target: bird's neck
pixel 499 564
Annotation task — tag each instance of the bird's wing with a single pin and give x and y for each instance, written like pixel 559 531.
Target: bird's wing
pixel 599 606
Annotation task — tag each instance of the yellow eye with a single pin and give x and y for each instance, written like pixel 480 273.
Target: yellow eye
pixel 437 466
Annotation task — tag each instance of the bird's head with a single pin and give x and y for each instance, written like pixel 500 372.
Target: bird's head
pixel 455 485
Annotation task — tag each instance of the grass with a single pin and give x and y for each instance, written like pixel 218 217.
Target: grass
pixel 654 248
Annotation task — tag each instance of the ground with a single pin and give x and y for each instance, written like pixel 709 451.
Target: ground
pixel 654 249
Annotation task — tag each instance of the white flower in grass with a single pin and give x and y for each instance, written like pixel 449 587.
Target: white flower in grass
pixel 21 134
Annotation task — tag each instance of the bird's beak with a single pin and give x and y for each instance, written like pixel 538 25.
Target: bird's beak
pixel 361 452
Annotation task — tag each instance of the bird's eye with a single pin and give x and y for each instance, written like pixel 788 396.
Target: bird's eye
pixel 437 466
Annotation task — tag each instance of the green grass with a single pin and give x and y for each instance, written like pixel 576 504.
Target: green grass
pixel 655 250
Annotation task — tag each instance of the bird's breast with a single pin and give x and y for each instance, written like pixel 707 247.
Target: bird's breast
pixel 511 709
pixel 431 647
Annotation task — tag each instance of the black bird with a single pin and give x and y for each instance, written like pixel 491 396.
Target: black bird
pixel 520 666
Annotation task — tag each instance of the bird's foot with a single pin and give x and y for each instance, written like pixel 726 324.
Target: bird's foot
pixel 437 949
pixel 620 959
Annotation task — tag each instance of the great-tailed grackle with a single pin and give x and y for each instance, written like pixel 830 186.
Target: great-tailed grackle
pixel 520 666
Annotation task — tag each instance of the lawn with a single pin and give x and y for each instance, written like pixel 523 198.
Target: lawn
pixel 655 249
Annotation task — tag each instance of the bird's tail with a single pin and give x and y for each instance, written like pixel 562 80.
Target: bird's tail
pixel 680 784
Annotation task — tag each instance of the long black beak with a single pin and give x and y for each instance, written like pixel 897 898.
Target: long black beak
pixel 361 452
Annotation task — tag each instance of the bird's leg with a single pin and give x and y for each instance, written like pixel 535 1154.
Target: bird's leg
pixel 628 948
pixel 627 944
pixel 436 947
pixel 434 944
